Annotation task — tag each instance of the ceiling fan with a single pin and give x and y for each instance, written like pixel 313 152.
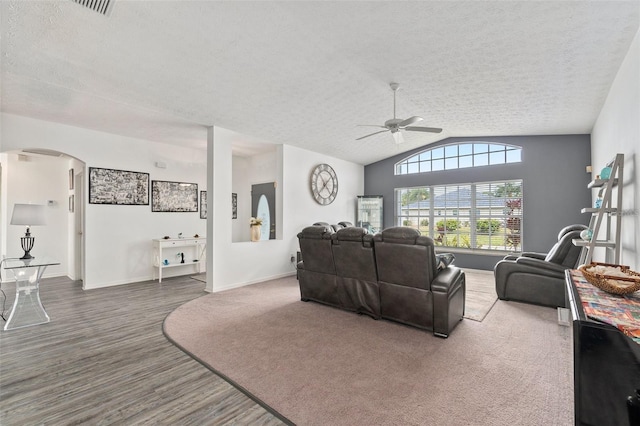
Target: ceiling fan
pixel 394 125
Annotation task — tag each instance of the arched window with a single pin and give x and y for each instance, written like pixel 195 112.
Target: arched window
pixel 458 156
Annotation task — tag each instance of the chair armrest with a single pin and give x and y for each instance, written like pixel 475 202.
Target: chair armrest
pixel 447 281
pixel 534 255
pixel 544 267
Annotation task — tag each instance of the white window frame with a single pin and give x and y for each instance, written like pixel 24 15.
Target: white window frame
pixel 504 215
pixel 457 156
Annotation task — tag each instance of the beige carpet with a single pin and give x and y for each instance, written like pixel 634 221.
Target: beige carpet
pixel 317 365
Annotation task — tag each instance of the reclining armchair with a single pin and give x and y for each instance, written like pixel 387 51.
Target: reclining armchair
pixel 538 278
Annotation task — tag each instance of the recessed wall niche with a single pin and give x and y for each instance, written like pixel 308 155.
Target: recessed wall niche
pixel 252 163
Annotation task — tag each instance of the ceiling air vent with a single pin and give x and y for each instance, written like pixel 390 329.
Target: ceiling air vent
pixel 101 6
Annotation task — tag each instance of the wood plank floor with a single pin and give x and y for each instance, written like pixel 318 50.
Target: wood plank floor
pixel 104 360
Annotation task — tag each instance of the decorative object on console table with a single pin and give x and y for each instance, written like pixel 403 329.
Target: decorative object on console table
pixel 255 224
pixel 29 215
pixel 615 279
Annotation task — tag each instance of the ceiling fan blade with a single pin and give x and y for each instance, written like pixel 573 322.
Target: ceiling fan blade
pixel 423 129
pixel 409 121
pixel 381 131
pixel 371 125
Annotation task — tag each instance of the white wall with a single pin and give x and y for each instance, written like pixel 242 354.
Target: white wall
pixel 38 180
pixel 241 263
pixel 617 130
pixel 117 238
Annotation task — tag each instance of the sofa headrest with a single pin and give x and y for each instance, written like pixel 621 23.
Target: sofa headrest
pixel 400 234
pixel 350 234
pixel 316 232
pixel 345 224
pixel 353 234
pixel 570 228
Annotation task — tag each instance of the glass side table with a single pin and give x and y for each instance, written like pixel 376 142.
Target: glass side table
pixel 27 309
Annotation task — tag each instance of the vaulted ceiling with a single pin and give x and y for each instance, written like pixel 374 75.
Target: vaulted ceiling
pixel 307 73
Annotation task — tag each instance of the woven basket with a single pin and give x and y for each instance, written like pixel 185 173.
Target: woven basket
pixel 610 283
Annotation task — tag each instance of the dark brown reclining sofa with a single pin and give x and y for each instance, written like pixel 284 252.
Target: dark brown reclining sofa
pixel 391 275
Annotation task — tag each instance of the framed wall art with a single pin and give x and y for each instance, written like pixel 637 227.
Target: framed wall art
pixel 110 186
pixel 174 196
pixel 234 205
pixel 71 203
pixel 203 204
pixel 70 178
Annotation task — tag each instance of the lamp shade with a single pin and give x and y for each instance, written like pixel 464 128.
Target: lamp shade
pixel 28 214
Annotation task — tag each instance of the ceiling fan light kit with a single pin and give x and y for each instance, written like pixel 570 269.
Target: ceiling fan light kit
pixel 395 125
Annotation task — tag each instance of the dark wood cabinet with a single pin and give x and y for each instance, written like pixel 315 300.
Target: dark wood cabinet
pixel 606 360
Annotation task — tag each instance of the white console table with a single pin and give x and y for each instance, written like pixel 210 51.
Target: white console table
pixel 166 254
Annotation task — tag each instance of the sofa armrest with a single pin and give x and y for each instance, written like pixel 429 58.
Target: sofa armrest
pixel 544 268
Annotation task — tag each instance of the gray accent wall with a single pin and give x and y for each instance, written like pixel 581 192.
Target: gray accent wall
pixel 554 186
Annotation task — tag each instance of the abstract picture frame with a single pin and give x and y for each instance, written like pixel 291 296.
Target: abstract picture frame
pixel 121 187
pixel 203 204
pixel 174 197
pixel 71 176
pixel 71 203
pixel 234 205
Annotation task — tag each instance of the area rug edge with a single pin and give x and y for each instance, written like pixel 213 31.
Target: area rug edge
pixel 223 376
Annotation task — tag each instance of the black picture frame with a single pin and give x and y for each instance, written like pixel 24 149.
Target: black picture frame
pixel 121 187
pixel 174 197
pixel 203 204
pixel 234 205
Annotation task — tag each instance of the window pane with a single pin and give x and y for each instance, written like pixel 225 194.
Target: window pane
pixel 514 156
pixel 437 153
pixel 425 156
pixel 437 165
pixel 480 147
pixel 398 169
pixel 425 166
pixel 496 157
pixel 413 168
pixel 403 169
pixel 465 162
pixel 451 163
pixel 451 151
pixel 494 148
pixel 480 160
pixel 466 149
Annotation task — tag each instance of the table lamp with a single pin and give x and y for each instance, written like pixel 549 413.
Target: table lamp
pixel 29 215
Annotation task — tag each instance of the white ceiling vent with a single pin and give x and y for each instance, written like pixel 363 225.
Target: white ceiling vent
pixel 101 6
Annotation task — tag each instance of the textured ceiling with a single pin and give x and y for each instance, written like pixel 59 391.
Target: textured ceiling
pixel 306 73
